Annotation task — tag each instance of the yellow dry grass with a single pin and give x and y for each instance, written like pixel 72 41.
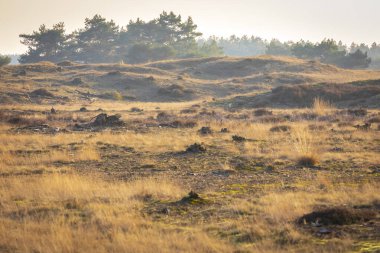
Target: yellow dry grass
pixel 66 212
pixel 304 144
pixel 70 213
pixel 276 212
pixel 26 150
pixel 322 107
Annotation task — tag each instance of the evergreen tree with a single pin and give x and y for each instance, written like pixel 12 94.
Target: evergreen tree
pixel 45 44
pixel 275 47
pixel 4 60
pixel 357 59
pixel 97 41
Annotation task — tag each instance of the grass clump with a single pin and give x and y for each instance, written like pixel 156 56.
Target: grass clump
pixel 304 146
pixel 321 107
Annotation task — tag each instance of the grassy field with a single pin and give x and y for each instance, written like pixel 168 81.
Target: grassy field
pixel 185 176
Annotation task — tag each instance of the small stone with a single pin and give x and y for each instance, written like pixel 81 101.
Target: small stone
pixel 324 231
pixel 165 210
pixel 224 130
pixel 238 138
pixel 196 148
pixel 205 130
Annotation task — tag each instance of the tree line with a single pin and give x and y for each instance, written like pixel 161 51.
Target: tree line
pixel 101 40
pixel 327 51
pixel 168 37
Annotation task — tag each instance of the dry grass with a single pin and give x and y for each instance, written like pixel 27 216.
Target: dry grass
pixel 85 154
pixel 276 212
pixel 69 213
pixel 60 211
pixel 304 144
pixel 253 193
pixel 286 207
pixel 27 150
pixel 322 107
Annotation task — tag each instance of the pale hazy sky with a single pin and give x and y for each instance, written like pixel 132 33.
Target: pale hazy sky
pixel 346 20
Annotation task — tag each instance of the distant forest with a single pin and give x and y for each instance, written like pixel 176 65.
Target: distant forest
pixel 14 58
pixel 327 51
pixel 171 37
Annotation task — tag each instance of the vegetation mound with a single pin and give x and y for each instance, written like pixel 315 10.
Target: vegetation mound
pixel 337 216
pixel 354 94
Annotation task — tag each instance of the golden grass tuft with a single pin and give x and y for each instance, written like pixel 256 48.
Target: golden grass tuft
pixel 322 107
pixel 304 144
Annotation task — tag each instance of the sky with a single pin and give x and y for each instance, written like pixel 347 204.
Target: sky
pixel 314 20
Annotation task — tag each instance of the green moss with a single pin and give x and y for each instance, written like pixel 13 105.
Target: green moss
pixel 369 246
pixel 320 241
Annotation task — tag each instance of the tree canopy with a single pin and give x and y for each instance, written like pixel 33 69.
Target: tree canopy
pixel 46 44
pixel 170 36
pixel 167 36
pixel 4 60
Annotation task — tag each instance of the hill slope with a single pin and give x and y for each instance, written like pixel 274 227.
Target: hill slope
pixel 174 80
pixel 355 94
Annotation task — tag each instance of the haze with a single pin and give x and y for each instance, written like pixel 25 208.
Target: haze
pixel 346 20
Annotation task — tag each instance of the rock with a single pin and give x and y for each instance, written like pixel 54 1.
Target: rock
pixel 100 121
pixel 83 109
pixel 163 116
pixel 316 224
pixel 357 112
pixel 104 120
pixel 15 120
pixel 190 197
pixel 114 73
pixel 365 127
pixel 193 198
pixel 336 149
pixel 42 93
pixel 179 124
pixel 196 148
pixel 136 109
pixel 188 111
pixel 77 81
pixel 193 195
pixel 165 210
pixel 324 231
pixel 65 63
pixel 224 130
pixel 238 138
pixel 205 130
pixel 262 112
pixel 224 173
pixel 280 128
pixel 42 128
